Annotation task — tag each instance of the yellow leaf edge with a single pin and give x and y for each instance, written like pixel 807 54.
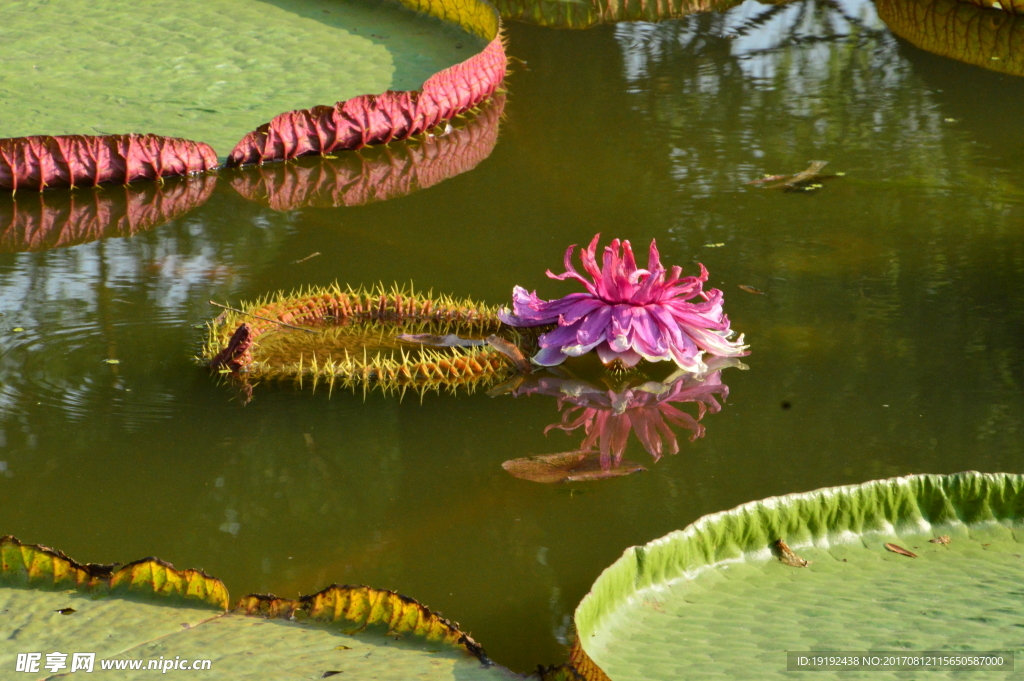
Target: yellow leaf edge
pixel 41 567
pixel 355 608
pixel 359 607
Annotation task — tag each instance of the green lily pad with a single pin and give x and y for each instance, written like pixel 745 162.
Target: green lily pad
pixel 149 611
pixel 717 600
pixel 960 30
pixel 207 70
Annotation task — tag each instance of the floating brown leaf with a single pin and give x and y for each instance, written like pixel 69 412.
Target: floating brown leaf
pixel 786 555
pixel 801 180
pixel 900 550
pixel 751 289
pixel 576 466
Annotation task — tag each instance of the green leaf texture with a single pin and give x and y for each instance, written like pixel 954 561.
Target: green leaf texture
pixel 148 610
pixel 712 601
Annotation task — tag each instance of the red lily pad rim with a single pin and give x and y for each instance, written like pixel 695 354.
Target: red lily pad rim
pixel 38 162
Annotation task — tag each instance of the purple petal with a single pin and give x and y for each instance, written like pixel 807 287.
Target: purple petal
pixel 563 335
pixel 549 357
pixel 648 338
pixel 580 349
pixel 581 308
pixel 595 325
pixel 620 332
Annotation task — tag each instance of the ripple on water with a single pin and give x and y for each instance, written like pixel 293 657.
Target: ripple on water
pixel 84 369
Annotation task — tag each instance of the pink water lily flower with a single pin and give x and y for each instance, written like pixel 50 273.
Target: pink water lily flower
pixel 628 313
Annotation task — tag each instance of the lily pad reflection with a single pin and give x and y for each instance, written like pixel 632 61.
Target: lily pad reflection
pixel 354 179
pixel 64 217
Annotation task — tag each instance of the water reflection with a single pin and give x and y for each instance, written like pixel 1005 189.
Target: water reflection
pixel 959 30
pixel 354 179
pixel 610 412
pixel 66 217
pixel 586 13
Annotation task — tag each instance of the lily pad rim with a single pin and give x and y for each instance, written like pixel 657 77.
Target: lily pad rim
pixel 594 607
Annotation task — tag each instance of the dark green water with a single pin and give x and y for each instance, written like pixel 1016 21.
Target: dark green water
pixel 892 324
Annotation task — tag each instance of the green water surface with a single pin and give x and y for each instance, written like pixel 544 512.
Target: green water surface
pixel 207 70
pixel 889 338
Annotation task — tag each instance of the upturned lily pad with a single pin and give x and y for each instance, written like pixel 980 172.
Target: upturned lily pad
pixel 151 612
pixel 961 30
pixel 717 601
pixel 209 70
pixel 368 338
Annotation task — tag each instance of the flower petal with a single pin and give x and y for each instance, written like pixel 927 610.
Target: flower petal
pixel 607 355
pixel 549 357
pixel 595 326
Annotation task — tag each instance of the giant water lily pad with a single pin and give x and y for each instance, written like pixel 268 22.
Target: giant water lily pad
pixel 959 30
pixel 716 600
pixel 149 611
pixel 207 70
pixel 376 174
pixel 393 339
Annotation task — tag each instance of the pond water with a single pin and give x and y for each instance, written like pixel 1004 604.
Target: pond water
pixel 888 337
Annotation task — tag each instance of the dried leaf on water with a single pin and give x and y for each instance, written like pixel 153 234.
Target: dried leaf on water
pixel 900 550
pixel 576 466
pixel 804 180
pixel 751 289
pixel 944 539
pixel 512 351
pixel 308 257
pixel 786 555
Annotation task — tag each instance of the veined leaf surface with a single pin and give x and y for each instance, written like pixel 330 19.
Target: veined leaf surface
pixel 148 610
pixel 714 601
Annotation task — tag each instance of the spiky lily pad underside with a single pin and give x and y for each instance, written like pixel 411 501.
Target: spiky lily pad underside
pixel 349 338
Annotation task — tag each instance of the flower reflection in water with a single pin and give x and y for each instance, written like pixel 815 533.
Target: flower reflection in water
pixel 607 415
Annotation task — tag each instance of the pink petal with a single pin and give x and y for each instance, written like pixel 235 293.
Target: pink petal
pixel 627 357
